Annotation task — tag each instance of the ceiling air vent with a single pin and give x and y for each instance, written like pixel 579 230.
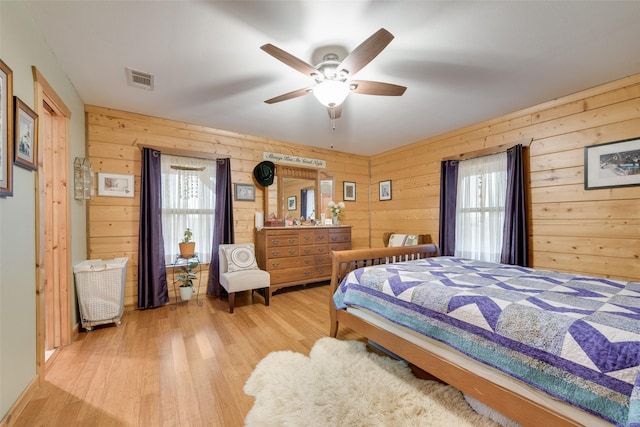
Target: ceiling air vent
pixel 139 79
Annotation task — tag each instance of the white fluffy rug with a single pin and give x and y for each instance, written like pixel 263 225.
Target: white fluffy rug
pixel 342 384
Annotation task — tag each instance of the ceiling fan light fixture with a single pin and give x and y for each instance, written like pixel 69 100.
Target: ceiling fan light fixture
pixel 331 93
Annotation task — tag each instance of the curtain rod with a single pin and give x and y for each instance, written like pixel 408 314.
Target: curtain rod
pixel 184 153
pixel 489 151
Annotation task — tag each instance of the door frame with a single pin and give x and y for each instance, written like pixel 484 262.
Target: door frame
pixel 44 92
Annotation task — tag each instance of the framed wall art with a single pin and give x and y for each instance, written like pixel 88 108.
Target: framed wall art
pixel 245 192
pixel 349 190
pixel 385 190
pixel 25 147
pixel 6 130
pixel 612 164
pixel 116 185
pixel 291 203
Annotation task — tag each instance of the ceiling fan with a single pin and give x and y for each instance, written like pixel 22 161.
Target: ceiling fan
pixel 334 78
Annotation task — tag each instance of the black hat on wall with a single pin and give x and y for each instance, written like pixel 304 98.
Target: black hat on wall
pixel 264 173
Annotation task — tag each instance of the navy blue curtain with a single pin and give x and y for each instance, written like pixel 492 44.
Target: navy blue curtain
pixel 448 194
pixel 515 241
pixel 303 204
pixel 223 226
pixel 152 274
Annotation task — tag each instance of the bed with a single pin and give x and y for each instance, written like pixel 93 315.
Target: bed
pixel 463 331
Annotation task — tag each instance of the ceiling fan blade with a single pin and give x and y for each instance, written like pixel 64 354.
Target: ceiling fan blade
pixel 366 87
pixel 335 112
pixel 289 95
pixel 367 50
pixel 290 60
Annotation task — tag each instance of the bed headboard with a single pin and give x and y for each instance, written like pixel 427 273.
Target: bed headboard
pixel 423 239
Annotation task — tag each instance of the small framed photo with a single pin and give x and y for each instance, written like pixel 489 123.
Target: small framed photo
pixel 349 191
pixel 612 164
pixel 385 190
pixel 245 192
pixel 116 185
pixel 25 147
pixel 291 203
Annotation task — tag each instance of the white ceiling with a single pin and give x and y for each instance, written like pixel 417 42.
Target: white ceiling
pixel 462 62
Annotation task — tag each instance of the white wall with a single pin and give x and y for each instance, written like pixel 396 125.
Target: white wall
pixel 21 46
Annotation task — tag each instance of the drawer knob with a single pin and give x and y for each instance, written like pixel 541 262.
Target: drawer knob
pixel 292 251
pixel 275 242
pixel 275 264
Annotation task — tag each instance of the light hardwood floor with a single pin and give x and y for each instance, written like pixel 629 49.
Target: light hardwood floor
pixel 176 368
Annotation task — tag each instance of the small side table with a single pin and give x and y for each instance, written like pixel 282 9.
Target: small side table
pixel 180 261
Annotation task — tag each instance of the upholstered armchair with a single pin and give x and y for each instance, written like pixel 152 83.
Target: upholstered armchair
pixel 239 272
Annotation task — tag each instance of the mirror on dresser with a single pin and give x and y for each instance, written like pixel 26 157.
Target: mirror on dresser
pixel 299 192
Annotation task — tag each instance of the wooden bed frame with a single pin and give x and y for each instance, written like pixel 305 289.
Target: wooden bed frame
pixel 507 402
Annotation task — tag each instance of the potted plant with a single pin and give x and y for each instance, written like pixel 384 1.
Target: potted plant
pixel 187 247
pixel 186 276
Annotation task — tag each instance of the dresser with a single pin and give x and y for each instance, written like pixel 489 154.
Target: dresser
pixel 299 255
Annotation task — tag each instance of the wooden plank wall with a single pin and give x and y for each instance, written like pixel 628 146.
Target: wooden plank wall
pixel 113 140
pixel 595 232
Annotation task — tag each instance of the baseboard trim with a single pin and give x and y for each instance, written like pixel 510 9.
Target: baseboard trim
pixel 20 404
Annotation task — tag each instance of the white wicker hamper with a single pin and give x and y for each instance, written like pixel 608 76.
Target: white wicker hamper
pixel 100 287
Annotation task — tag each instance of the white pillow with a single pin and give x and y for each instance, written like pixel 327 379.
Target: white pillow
pixel 240 258
pixel 403 240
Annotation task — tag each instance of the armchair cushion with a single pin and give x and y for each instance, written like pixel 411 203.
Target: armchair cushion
pixel 240 258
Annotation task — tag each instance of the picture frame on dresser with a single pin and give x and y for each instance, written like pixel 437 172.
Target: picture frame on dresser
pixel 6 128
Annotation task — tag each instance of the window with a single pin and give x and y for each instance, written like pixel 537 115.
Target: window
pixel 480 207
pixel 188 201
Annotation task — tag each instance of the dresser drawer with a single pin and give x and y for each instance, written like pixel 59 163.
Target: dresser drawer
pixel 323 271
pixel 280 263
pixel 322 259
pixel 307 237
pixel 340 236
pixel 314 250
pixel 321 237
pixel 284 251
pixel 291 274
pixel 339 246
pixel 282 240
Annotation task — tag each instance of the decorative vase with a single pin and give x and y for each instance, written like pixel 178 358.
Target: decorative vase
pixel 334 220
pixel 186 292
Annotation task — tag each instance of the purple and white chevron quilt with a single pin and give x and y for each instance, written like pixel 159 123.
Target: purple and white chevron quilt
pixel 575 337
